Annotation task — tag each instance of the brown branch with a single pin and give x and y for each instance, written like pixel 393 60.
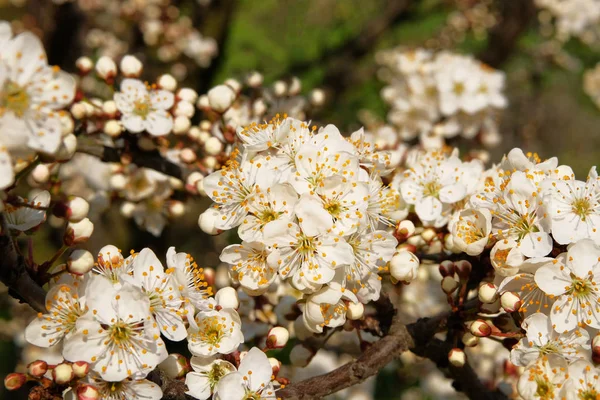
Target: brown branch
pixel 516 16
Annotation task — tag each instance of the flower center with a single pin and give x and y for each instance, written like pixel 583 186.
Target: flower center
pixel 591 394
pixel 549 348
pixel 252 396
pixel 120 332
pixel 334 208
pixel 581 207
pixel 431 189
pixel 142 108
pixel 544 389
pixel 459 88
pixel 305 245
pixel 524 225
pixel 268 215
pixel 215 374
pixel 579 287
pixel 14 98
pixel 212 330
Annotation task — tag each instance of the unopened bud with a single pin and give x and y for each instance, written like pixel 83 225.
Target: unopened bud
pixel 227 297
pixel 109 108
pixel 220 98
pixel 184 108
pixel 80 368
pixel 463 269
pixel 167 82
pixel 428 234
pixel 14 381
pixel 131 66
pixel 404 266
pixel 449 284
pixel 106 68
pixel 213 146
pixel 301 355
pixel 480 328
pixel 596 348
pixel 181 125
pixel 469 339
pixel 37 368
pixel 176 208
pixel 63 374
pixel 78 232
pixel 317 97
pixel 279 88
pixel 254 80
pixel 77 209
pixel 510 302
pixel 87 392
pixel 80 262
pixel 355 310
pixel 202 102
pixel 175 366
pixel 457 357
pixel 187 94
pixel 40 174
pixel 405 229
pixel 84 65
pixel 207 221
pixel 235 85
pixel 275 365
pixel 277 337
pixel 447 268
pixel 113 128
pixel 488 292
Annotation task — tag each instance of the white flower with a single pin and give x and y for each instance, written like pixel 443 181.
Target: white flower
pixel 111 264
pixel 249 261
pixel 30 215
pixel 542 339
pixel 189 279
pixel 471 230
pixel 575 209
pixel 130 389
pixel 144 110
pixel 251 381
pixel 165 300
pixel 573 278
pixel 584 382
pixel 309 260
pixel 544 379
pixel 117 335
pixel 216 332
pixel 65 305
pixel 207 373
pixel 327 307
pixel 385 205
pixel 31 95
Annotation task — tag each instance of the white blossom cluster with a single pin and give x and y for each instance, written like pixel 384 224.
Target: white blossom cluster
pixel 442 95
pixel 591 84
pixel 311 209
pixel 573 17
pixel 115 316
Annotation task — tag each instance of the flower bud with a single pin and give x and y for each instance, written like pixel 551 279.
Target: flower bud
pixel 113 128
pixel 37 369
pixel 254 80
pixel 109 107
pixel 14 381
pixel 447 268
pixel 175 208
pixel 80 368
pixel 40 174
pixel 87 392
pixel 220 98
pixel 404 266
pixel 355 310
pixel 78 232
pixel 187 94
pixel 184 108
pixel 469 339
pixel 259 107
pixel 213 146
pixel 78 111
pixel 277 337
pixel 117 182
pixel 317 97
pixel 80 262
pixel 463 269
pixel 207 221
pixel 449 284
pixel 275 365
pixel 77 209
pixel 510 302
pixel 175 366
pixel 84 65
pixel 428 234
pixel 181 125
pixel 295 86
pixel 127 209
pixel 596 348
pixel 227 297
pixel 131 66
pixel 404 230
pixel 279 88
pixel 488 293
pixel 210 162
pixel 167 82
pixel 193 179
pixel 301 355
pixel 457 357
pixel 202 102
pixel 63 374
pixel 234 85
pixel 106 68
pixel 480 328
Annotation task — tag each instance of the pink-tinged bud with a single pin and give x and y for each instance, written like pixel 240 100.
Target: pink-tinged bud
pixel 87 392
pixel 457 357
pixel 463 269
pixel 80 368
pixel 301 355
pixel 80 262
pixel 187 155
pixel 210 276
pixel 480 328
pixel 63 374
pixel 275 365
pixel 510 301
pixel 488 293
pixel 469 340
pixel 37 369
pixel 175 366
pixel 14 381
pixel 106 68
pixel 449 284
pixel 77 209
pixel 447 268
pixel 404 230
pixel 78 232
pixel 596 348
pixel 131 66
pixel 428 235
pixel 277 337
pixel 84 65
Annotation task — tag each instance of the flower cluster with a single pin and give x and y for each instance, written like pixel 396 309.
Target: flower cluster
pixel 442 95
pixel 577 18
